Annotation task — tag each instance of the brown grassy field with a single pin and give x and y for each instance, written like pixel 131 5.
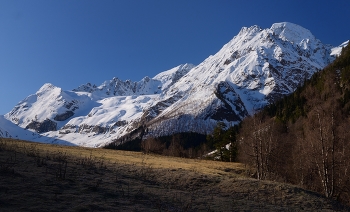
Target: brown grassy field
pixel 42 177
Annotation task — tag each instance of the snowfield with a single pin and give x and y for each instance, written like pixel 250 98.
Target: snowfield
pixel 256 67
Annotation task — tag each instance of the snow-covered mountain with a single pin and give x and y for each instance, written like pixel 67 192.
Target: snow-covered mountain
pixel 336 51
pixel 256 67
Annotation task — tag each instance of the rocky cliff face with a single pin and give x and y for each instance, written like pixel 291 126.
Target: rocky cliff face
pixel 256 67
pixel 44 126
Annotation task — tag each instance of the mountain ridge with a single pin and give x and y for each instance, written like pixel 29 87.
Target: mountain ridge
pixel 256 67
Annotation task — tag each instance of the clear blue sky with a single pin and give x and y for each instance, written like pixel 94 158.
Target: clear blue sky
pixel 72 42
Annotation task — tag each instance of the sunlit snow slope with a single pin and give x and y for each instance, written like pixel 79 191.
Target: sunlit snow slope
pixel 256 67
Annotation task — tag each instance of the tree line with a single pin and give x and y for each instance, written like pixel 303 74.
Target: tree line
pixel 301 139
pixel 304 138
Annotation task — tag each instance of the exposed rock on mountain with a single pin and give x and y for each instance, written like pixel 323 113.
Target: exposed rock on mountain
pixel 44 126
pixel 64 116
pixel 255 68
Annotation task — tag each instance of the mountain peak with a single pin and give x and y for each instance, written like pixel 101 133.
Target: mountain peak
pixel 292 32
pixel 256 67
pixel 249 30
pixel 47 89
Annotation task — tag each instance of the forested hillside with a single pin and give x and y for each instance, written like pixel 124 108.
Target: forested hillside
pixel 304 138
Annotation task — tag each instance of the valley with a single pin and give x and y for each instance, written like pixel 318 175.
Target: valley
pixel 275 99
pixel 42 177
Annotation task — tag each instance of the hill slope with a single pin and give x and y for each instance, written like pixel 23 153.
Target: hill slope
pixel 38 177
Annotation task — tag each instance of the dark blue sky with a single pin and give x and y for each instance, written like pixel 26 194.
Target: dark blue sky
pixel 72 42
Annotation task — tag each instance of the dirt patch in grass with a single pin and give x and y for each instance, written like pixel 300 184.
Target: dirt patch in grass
pixel 40 177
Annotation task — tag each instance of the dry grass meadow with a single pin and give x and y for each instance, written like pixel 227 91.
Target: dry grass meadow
pixel 42 177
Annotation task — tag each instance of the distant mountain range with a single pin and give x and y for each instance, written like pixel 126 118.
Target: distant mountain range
pixel 255 68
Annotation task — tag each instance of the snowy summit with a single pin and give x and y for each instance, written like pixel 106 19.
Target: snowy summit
pixel 256 67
